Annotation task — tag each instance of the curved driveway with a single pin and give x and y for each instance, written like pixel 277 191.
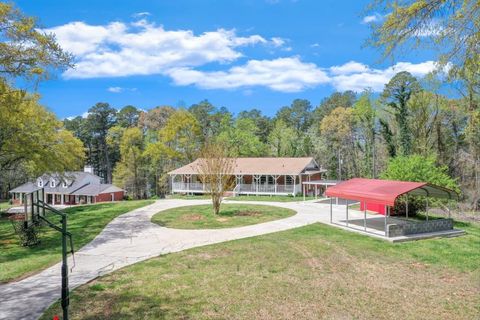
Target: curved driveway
pixel 131 238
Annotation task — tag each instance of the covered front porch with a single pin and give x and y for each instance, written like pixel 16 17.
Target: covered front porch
pixel 288 185
pixel 56 199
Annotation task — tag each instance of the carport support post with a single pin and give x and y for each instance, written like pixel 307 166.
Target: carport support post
pixel 385 225
pixel 331 209
pixel 426 208
pixel 303 192
pixel 346 211
pixel 364 215
pixel 406 207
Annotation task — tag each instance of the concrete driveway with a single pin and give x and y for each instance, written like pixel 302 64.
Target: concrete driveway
pixel 131 238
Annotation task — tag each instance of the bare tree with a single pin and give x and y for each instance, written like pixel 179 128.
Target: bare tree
pixel 216 171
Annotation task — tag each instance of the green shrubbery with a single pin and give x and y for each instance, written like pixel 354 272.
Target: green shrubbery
pixel 420 169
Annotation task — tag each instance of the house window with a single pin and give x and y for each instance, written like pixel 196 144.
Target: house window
pixel 263 179
pixel 40 183
pixel 52 183
pixel 270 180
pixel 65 184
pixel 289 179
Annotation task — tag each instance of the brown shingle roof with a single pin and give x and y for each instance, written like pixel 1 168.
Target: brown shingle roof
pixel 250 166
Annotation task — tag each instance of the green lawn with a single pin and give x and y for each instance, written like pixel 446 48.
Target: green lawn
pixel 270 198
pixel 231 215
pixel 313 272
pixel 4 205
pixel 84 222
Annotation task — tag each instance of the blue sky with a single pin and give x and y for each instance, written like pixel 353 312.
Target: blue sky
pixel 237 54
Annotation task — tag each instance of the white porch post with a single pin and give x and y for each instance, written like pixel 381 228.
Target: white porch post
pixel 188 183
pixel 275 178
pixel 53 198
pixel 294 184
pixel 256 178
pixel 238 183
pixel 62 199
pixel 303 189
pixel 173 183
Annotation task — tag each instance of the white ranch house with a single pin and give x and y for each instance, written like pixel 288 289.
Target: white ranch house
pixel 253 176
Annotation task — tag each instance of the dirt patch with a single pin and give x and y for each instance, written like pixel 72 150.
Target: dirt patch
pixel 222 219
pixel 192 217
pixel 248 213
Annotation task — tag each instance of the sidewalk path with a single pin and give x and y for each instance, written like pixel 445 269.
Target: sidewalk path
pixel 131 238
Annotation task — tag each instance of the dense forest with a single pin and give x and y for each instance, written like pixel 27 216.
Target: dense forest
pixel 413 130
pixel 349 134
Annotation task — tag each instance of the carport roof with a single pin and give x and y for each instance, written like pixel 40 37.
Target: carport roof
pixel 386 191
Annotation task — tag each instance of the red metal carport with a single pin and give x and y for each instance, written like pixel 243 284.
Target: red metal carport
pixel 384 193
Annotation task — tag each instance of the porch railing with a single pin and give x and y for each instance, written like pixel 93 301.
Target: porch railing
pixel 185 186
pixel 264 188
pixel 239 188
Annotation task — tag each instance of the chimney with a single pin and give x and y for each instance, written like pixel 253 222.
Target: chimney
pixel 88 169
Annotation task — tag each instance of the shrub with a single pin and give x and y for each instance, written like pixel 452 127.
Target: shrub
pixel 419 169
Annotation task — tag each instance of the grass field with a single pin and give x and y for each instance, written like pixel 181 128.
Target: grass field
pixel 84 222
pixel 5 205
pixel 270 198
pixel 313 272
pixel 231 215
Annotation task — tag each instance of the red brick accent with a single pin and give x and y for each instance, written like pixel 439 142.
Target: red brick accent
pixel 107 197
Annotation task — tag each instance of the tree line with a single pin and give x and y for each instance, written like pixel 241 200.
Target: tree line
pixel 349 134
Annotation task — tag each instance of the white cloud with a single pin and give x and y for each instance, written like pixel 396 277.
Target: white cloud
pixel 282 74
pixel 143 48
pixel 120 89
pixel 115 89
pixel 348 68
pixel 375 79
pixel 277 42
pixel 141 14
pixel 372 18
pixel 293 75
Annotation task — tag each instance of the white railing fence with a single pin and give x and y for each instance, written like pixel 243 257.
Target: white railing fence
pixel 240 188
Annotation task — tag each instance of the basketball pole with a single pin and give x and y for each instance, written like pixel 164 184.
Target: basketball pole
pixel 65 297
pixel 65 291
